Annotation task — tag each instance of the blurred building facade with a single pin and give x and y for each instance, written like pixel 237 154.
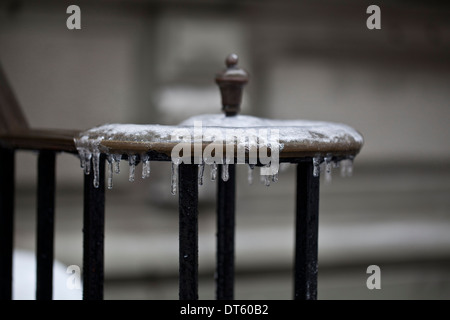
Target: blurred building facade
pixel 155 61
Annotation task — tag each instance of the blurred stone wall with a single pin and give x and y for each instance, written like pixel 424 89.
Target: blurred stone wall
pixel 154 62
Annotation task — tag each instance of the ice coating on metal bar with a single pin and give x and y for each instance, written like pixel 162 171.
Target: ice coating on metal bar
pixel 290 131
pixel 320 140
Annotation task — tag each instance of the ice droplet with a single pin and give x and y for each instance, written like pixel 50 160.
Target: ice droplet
pixel 117 158
pixel 316 164
pixel 328 177
pixel 275 177
pixel 132 162
pixel 225 172
pixel 201 170
pixel 145 166
pixel 328 159
pixel 343 167
pixel 174 177
pixel 262 178
pixel 213 171
pixel 347 167
pixel 81 152
pixel 328 164
pixel 96 164
pixel 87 162
pixel 350 167
pixel 110 171
pixel 250 173
pixel 265 178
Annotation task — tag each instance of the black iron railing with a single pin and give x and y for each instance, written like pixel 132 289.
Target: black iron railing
pixel 93 230
pixel 16 135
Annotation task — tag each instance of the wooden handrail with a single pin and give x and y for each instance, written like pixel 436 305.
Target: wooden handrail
pixel 41 139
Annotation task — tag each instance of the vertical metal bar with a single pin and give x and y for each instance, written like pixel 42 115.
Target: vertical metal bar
pixel 93 235
pixel 188 231
pixel 226 193
pixel 6 221
pixel 306 236
pixel 45 225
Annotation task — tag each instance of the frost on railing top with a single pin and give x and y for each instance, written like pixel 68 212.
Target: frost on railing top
pixel 217 139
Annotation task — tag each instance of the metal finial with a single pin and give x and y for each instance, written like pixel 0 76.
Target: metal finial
pixel 231 82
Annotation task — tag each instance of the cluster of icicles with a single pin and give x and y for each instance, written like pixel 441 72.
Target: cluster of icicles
pixel 88 159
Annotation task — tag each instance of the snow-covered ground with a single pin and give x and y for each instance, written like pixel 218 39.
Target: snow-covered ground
pixel 24 278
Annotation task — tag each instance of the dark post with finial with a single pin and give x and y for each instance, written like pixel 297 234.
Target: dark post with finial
pixel 231 82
